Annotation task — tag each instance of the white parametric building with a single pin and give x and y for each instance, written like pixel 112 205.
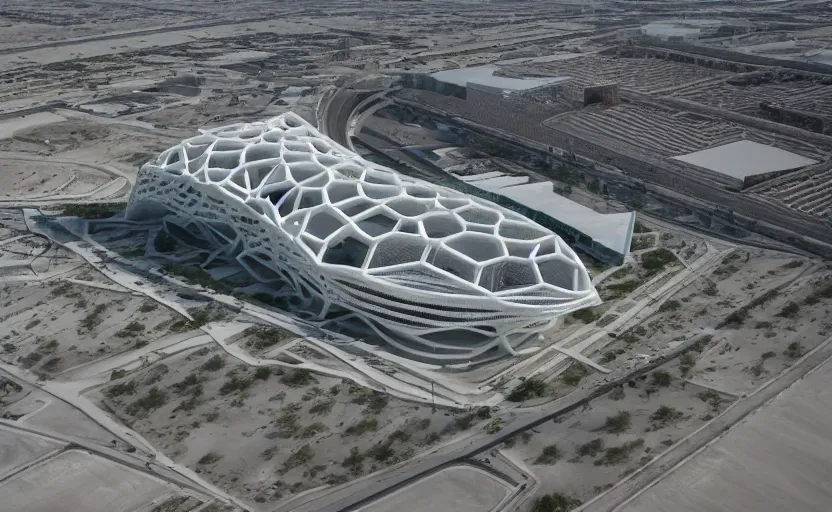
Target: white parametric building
pixel 439 275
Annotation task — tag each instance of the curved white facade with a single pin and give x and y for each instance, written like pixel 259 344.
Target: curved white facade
pixel 438 274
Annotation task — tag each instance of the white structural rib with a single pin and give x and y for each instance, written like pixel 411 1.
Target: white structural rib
pixel 438 274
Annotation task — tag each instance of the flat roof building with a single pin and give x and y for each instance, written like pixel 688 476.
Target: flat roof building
pixel 747 161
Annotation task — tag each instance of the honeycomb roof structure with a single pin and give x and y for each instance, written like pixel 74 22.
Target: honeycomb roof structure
pixel 436 273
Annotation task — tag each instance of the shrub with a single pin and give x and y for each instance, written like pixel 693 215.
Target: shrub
pixel 303 455
pixel 433 437
pixel 608 357
pixel 794 350
pixel 298 378
pixel 322 407
pixel 376 403
pixel 494 426
pixel 381 452
pixel 367 424
pixel 484 413
pixel 529 388
pixel 92 320
pixel 769 354
pixel 556 502
pixel 215 363
pixel 50 346
pixel 354 462
pixel 619 423
pixel 313 430
pixel 147 306
pixel 209 458
pixel 262 373
pixel 790 310
pixel 117 374
pixel 670 305
pixel 123 388
pixel 665 414
pixel 711 397
pixel 31 324
pixel 550 455
pixel 591 448
pixel 236 383
pixel 686 363
pixel 618 454
pixel 132 329
pixel 154 399
pixel 662 378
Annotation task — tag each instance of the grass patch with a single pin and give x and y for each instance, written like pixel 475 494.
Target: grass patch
pixel 197 276
pixel 656 261
pixel 586 315
pixel 572 376
pixel 92 210
pixel 529 388
pixel 265 337
pixel 164 243
pixel 618 290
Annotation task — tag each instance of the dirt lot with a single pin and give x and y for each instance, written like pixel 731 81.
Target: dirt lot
pixel 264 434
pixel 53 326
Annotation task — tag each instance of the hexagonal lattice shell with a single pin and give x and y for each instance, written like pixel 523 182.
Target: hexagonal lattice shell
pixel 438 274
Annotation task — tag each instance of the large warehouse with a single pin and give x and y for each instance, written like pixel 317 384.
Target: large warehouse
pixel 438 274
